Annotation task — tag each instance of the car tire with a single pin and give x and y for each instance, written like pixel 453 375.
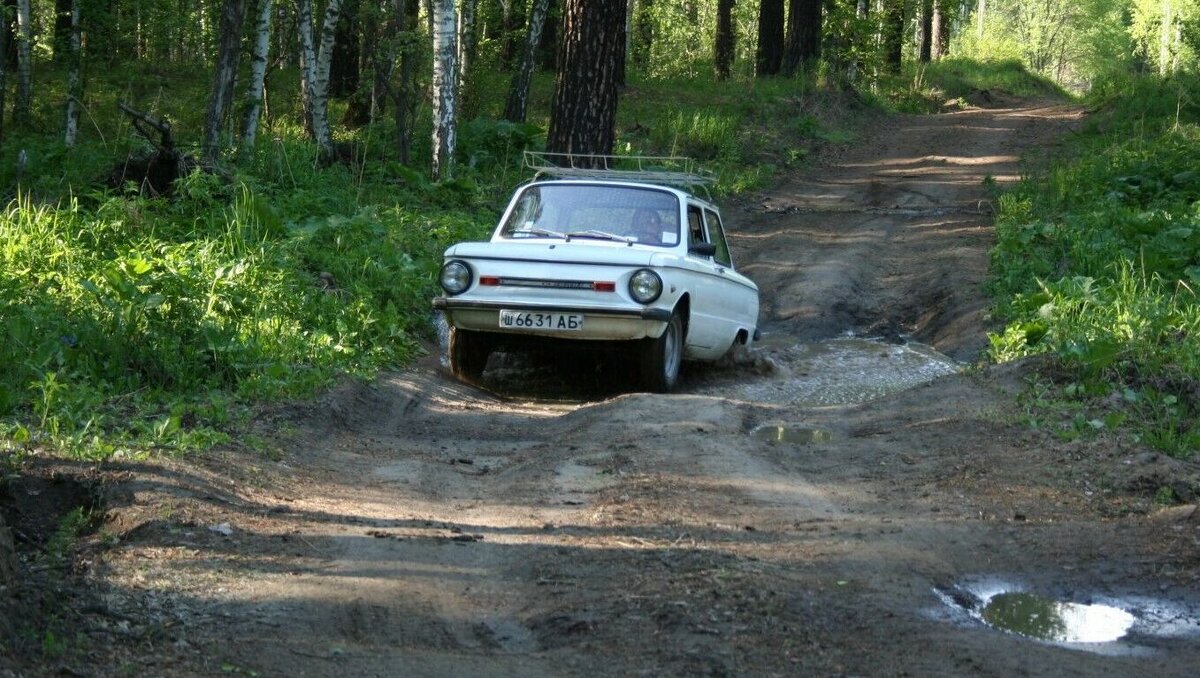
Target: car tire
pixel 661 358
pixel 468 354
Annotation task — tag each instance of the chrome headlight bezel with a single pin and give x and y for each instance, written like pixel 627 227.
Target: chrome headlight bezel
pixel 645 286
pixel 455 277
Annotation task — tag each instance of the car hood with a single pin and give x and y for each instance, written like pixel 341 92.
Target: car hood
pixel 577 251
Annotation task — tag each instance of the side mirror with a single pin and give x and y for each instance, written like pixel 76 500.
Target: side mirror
pixel 704 249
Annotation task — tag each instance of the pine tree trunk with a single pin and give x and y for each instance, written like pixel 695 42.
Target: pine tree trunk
pixel 548 47
pixel 466 42
pixel 893 34
pixel 769 56
pixel 583 113
pixel 803 41
pixel 925 32
pixel 406 15
pixel 74 88
pixel 5 37
pixel 24 62
pixel 320 88
pixel 444 85
pixel 258 74
pixel 940 38
pixel 344 64
pixel 232 14
pixel 515 108
pixel 724 42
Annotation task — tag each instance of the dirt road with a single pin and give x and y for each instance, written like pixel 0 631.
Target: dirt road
pixel 420 527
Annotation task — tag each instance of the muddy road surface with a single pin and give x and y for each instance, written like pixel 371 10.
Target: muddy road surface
pixel 744 525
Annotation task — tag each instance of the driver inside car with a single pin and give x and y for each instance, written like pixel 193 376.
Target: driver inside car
pixel 646 227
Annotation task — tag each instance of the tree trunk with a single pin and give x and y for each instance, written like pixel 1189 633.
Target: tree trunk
pixel 62 29
pixel 347 45
pixel 548 47
pixel 9 55
pixel 724 44
pixel 320 82
pixel 863 9
pixel 518 95
pixel 1164 39
pixel 641 41
pixel 980 15
pixel 803 41
pixel 768 58
pixel 893 34
pixel 24 59
pixel 232 15
pixel 444 83
pixel 74 88
pixel 405 17
pixel 308 63
pixel 5 38
pixel 925 32
pixel 258 74
pixel 939 39
pixel 583 113
pixel 466 42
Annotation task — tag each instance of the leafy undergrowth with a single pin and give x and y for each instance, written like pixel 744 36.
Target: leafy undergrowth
pixel 130 324
pixel 1098 264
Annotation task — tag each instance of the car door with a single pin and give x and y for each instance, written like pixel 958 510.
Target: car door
pixel 705 326
pixel 735 302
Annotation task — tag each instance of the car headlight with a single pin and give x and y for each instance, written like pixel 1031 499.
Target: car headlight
pixel 645 286
pixel 455 277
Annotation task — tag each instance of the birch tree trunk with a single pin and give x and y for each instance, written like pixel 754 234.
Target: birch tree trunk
pixel 232 14
pixel 74 91
pixel 516 107
pixel 320 82
pixel 24 57
pixel 444 82
pixel 258 73
pixel 308 62
pixel 980 12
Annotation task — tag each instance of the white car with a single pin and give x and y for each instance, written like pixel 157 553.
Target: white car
pixel 602 263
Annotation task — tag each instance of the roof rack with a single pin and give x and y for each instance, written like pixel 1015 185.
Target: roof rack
pixel 676 171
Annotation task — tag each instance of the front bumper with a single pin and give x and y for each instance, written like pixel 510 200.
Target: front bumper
pixel 599 323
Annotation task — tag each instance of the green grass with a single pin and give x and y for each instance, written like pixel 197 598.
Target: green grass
pixel 1098 263
pixel 130 324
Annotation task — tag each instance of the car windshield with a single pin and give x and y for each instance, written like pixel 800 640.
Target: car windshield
pixel 623 213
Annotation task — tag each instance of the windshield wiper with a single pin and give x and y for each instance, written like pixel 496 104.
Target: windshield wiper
pixel 537 230
pixel 601 235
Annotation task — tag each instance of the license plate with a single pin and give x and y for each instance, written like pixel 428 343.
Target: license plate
pixel 533 320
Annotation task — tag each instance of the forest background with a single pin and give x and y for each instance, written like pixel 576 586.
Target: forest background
pixel 214 203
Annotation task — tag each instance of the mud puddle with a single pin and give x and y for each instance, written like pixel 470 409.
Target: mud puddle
pixel 1102 625
pixel 847 371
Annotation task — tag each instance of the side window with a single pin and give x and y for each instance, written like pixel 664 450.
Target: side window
pixel 717 237
pixel 695 226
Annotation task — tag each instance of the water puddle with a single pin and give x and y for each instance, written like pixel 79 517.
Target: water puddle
pixel 1109 626
pixel 849 372
pixel 1042 618
pixel 791 434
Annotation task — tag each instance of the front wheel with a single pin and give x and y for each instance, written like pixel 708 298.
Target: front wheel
pixel 468 354
pixel 662 357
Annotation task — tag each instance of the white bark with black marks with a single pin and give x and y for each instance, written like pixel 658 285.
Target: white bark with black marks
pixel 466 41
pixel 444 85
pixel 74 83
pixel 518 96
pixel 320 85
pixel 308 61
pixel 24 62
pixel 232 14
pixel 258 73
